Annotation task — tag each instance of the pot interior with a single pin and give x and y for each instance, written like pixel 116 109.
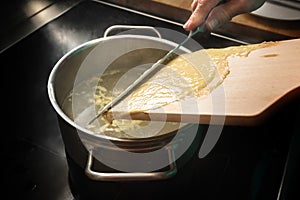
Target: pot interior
pixel 90 77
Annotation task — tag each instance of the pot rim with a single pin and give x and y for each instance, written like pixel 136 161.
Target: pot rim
pixel 74 51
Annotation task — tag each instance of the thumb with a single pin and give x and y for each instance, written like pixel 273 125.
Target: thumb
pixel 195 19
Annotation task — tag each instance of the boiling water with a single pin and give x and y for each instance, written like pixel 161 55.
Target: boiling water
pixel 87 97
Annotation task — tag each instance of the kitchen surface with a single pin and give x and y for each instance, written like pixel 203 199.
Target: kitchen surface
pixel 248 162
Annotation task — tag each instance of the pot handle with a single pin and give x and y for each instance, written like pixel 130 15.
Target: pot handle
pixel 114 27
pixel 131 176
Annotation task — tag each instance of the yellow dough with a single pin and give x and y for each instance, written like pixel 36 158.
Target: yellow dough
pixel 187 76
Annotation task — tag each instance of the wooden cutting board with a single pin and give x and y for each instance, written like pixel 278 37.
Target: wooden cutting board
pixel 256 86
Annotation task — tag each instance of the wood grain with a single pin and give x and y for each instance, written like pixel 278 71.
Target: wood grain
pixel 256 86
pixel 184 4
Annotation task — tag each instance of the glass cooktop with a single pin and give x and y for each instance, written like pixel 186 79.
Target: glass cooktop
pixel 247 162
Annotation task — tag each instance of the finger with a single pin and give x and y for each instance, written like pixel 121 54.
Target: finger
pixel 200 13
pixel 223 14
pixel 194 5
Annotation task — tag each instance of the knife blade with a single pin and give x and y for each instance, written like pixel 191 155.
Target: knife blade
pixel 145 75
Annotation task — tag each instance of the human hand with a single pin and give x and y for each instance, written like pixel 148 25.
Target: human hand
pixel 215 13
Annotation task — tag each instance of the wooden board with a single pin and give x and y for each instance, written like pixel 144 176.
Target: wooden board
pixel 284 27
pixel 256 86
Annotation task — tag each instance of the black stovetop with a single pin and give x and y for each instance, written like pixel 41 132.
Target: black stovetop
pixel 247 162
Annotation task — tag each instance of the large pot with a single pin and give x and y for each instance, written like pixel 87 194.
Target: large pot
pixel 152 158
